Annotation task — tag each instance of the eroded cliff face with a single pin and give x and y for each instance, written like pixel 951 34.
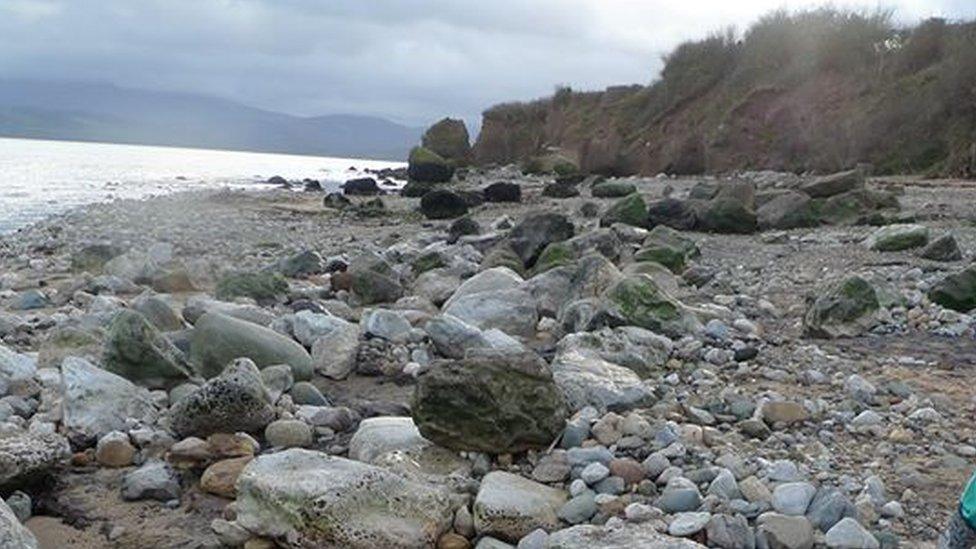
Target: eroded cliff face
pixel 888 109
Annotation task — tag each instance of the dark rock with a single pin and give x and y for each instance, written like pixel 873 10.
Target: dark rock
pixel 416 189
pixel 537 231
pixel 449 139
pixel 429 167
pixel 612 189
pixel 560 190
pixel 503 191
pixel 956 291
pixel 365 186
pixel 462 227
pixel 336 201
pixel 219 339
pixel 834 184
pixel 135 350
pixel 629 210
pixel 787 210
pixel 312 186
pixel 733 210
pixel 845 309
pixel 673 213
pixel 234 401
pixel 944 248
pixel 442 204
pixel 261 286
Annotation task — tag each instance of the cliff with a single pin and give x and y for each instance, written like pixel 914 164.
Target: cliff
pixel 822 90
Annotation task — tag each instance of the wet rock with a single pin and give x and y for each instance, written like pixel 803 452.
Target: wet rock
pixel 503 191
pixel 219 339
pixel 364 186
pixel 135 350
pixel 509 507
pixel 956 291
pixel 303 498
pixel 489 401
pixel 234 401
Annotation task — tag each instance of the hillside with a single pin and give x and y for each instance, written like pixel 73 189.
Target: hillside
pixel 821 90
pixel 98 112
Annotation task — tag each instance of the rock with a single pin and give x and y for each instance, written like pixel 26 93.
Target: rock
pixel 426 166
pixel 612 189
pixel 93 257
pixel 787 210
pixel 944 248
pixel 793 498
pixel 334 354
pixel 849 534
pixel 834 184
pixel 587 380
pixel 22 505
pixel 288 433
pixel 503 191
pixel 580 508
pixel 673 213
pixel 668 247
pixel 336 201
pixel 488 280
pixel 536 231
pixel 389 325
pixel 560 189
pixel 26 456
pixel 828 507
pixel 154 480
pixel 234 401
pixel 594 473
pixel 784 411
pixel 728 532
pixel 442 204
pixel 453 338
pixel 261 286
pixel 845 309
pixel 302 498
pixel 464 226
pixel 197 306
pixel 894 238
pixel 511 311
pixel 135 350
pixel 304 392
pixel 784 532
pixel 688 524
pixel 15 368
pixel 301 265
pixel 30 300
pixel 629 210
pixel 173 280
pixel 13 535
pixel 732 210
pixel 860 206
pixel 277 380
pixel 956 291
pixel 364 186
pixel 220 477
pixel 637 300
pixel 626 536
pixel 219 339
pixel 115 450
pixel 449 139
pixel 489 401
pixel 509 507
pixel 97 402
pixel 380 435
pixel 158 312
pixel 679 499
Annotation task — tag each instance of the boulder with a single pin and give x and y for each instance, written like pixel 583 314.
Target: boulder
pixel 944 248
pixel 732 210
pixel 135 350
pixel 453 338
pixel 511 311
pixel 637 300
pixel 834 184
pixel 894 238
pixel 97 402
pixel 301 265
pixel 15 368
pixel 787 210
pixel 778 531
pixel 605 537
pixel 503 191
pixel 585 379
pixel 673 213
pixel 334 353
pixel 857 207
pixel 537 231
pixel 234 401
pixel 261 286
pixel 14 535
pixel 844 309
pixel 849 534
pixel 93 257
pixel 364 186
pixel 158 312
pixel 153 480
pixel 197 306
pixel 956 291
pixel 668 247
pixel 219 339
pixel 612 189
pixel 308 327
pixel 488 280
pixel 449 139
pixel 371 278
pixel 509 507
pixel 490 401
pixel 443 204
pixel 559 189
pixel 27 456
pixel 300 498
pixel 640 350
pixel 380 435
pixel 336 201
pixel 629 210
pixel 426 166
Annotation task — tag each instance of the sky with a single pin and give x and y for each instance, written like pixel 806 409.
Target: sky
pixel 412 61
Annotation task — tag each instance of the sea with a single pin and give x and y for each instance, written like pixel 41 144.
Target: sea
pixel 39 178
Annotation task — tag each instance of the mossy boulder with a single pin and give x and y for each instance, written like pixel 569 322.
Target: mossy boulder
pixel 560 189
pixel 944 248
pixel 427 262
pixel 857 207
pixel 894 238
pixel 93 257
pixel 137 351
pixel 845 309
pixel 371 279
pixel 956 291
pixel 612 189
pixel 555 255
pixel 502 255
pixel 787 210
pixel 550 164
pixel 261 286
pixel 443 204
pixel 637 300
pixel 629 210
pixel 733 210
pixel 426 166
pixel 490 401
pixel 536 231
pixel 449 139
pixel 672 258
pixel 668 247
pixel 417 189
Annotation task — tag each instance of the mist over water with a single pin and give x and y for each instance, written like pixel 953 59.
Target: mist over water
pixel 39 178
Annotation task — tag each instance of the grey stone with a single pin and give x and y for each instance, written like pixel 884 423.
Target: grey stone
pixel 627 536
pixel 219 339
pixel 26 456
pixel 793 498
pixel 778 531
pixel 334 354
pixel 154 480
pixel 511 311
pixel 96 402
pixel 380 435
pixel 453 338
pixel 585 379
pixel 849 534
pixel 234 401
pixel 579 509
pixel 730 532
pixel 288 433
pixel 13 535
pixel 389 325
pixel 687 524
pixel 509 506
pixel 828 507
pixel 304 393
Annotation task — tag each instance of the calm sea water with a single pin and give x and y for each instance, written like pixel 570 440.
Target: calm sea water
pixel 39 178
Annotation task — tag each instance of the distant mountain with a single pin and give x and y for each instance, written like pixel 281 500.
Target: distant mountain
pixel 107 113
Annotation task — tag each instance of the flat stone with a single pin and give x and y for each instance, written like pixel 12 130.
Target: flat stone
pixel 509 506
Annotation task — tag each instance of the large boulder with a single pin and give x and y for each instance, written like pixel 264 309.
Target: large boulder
pixel 956 291
pixel 673 213
pixel 449 138
pixel 261 286
pixel 642 534
pixel 537 231
pixel 640 350
pixel 944 248
pixel 26 456
pixel 511 311
pixel 236 400
pixel 586 379
pixel 834 184
pixel 844 309
pixel 732 210
pixel 636 300
pixel 509 507
pixel 14 535
pixel 629 210
pixel 136 350
pixel 787 210
pixel 96 402
pixel 895 238
pixel 302 499
pixel 219 339
pixel 489 280
pixel 443 204
pixel 490 401
pixel 371 278
pixel 379 435
pixel 453 337
pixel 426 166
pixel 364 186
pixel 857 207
pixel 503 191
pixel 668 247
pixel 612 189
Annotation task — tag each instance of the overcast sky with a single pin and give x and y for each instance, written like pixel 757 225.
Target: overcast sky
pixel 408 60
